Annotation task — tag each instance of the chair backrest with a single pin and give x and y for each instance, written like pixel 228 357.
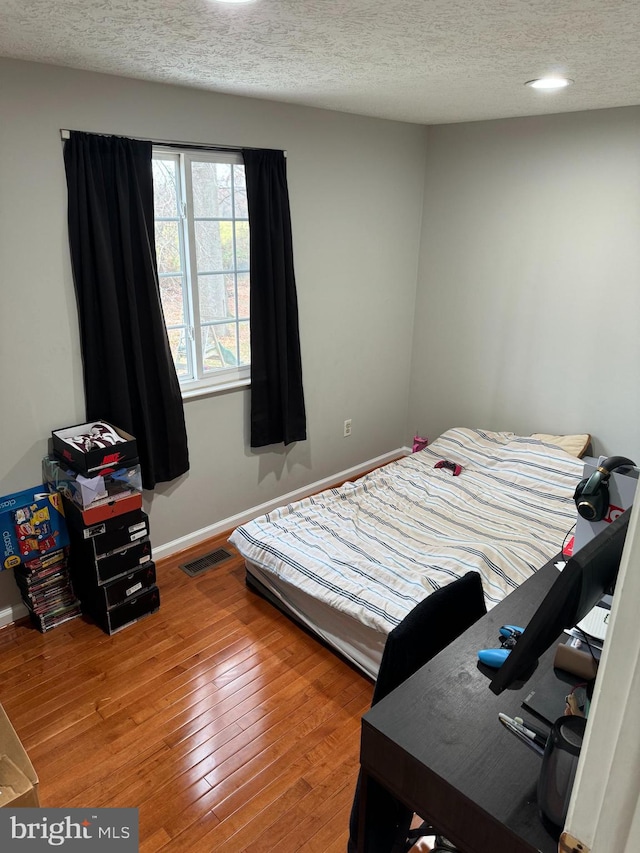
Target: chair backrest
pixel 428 629
pixel 424 632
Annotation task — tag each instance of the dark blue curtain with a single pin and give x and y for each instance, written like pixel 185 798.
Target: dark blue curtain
pixel 129 375
pixel 277 398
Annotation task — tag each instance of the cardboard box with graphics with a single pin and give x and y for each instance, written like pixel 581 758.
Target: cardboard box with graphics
pixel 32 523
pixel 18 778
pixel 90 447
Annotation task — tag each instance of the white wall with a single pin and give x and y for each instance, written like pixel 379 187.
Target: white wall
pixel 525 318
pixel 604 812
pixel 356 198
pixel 529 296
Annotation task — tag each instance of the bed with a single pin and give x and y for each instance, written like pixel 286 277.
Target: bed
pixel 350 562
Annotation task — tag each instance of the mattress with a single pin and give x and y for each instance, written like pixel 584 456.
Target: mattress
pixel 360 645
pixel 369 551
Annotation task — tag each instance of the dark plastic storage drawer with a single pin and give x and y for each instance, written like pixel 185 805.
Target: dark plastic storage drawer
pixel 142 604
pixel 123 588
pixel 107 536
pixel 122 562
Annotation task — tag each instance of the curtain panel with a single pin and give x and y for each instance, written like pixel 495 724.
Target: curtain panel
pixel 129 375
pixel 277 397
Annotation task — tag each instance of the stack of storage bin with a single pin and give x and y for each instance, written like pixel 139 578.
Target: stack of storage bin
pixel 110 556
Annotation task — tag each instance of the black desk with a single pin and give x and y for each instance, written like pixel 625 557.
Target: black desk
pixel 437 745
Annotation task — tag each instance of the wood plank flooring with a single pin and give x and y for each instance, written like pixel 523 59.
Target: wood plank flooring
pixel 226 725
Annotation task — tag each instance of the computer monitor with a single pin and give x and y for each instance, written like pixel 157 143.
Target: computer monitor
pixel 586 577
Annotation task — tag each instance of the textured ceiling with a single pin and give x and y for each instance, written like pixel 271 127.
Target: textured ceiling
pixel 425 61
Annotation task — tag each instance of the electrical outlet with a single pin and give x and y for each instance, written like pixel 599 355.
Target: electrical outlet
pixel 347 427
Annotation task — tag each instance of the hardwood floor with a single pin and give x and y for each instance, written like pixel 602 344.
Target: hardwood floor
pixel 226 725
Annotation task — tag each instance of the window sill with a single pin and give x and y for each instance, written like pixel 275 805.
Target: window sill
pixel 212 390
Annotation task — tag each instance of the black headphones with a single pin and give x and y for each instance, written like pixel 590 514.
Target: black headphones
pixel 592 493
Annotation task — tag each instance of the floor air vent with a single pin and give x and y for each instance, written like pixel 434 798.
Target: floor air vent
pixel 197 567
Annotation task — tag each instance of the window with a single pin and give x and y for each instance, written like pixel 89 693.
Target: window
pixel 202 247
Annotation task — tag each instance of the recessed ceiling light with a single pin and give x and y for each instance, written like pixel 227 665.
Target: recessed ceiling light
pixel 549 83
pixel 235 1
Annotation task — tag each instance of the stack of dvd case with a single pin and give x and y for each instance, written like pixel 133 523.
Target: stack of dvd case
pixel 46 589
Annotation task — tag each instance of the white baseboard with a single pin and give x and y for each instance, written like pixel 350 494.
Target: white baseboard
pixel 12 614
pixel 234 521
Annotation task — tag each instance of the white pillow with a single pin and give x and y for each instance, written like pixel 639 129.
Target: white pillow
pixel 576 445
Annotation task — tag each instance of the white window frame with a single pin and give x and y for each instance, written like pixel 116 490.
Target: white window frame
pixel 225 378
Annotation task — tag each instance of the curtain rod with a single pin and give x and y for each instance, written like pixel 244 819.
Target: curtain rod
pixel 65 134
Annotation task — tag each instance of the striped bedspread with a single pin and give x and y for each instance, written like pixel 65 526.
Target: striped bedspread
pixel 375 547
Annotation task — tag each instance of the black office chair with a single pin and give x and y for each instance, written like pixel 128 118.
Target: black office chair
pixel 424 632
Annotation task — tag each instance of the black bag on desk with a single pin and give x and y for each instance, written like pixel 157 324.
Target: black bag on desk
pixel 424 632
